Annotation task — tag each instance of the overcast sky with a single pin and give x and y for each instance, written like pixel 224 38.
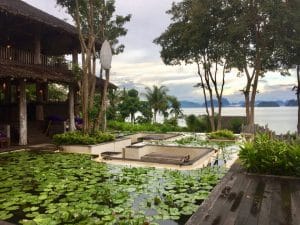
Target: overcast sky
pixel 140 64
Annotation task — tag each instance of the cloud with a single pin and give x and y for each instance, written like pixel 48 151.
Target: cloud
pixel 140 64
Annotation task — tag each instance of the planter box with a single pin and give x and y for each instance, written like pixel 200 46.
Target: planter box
pixel 136 152
pixel 113 146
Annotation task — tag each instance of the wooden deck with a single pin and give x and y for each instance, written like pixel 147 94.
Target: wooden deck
pixel 245 199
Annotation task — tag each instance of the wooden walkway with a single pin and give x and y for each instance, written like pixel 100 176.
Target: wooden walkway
pixel 244 199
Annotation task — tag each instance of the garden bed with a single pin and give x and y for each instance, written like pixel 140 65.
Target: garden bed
pixel 112 146
pixel 137 152
pixel 57 188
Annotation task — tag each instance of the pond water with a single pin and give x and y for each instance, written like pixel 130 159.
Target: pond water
pixel 55 188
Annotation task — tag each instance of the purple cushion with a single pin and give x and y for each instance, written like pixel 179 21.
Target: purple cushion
pixel 2 135
pixel 55 118
pixel 78 120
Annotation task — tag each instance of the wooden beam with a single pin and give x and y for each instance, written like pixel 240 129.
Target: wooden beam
pixel 23 114
pixel 71 108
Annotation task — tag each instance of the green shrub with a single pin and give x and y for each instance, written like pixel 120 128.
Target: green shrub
pixel 236 125
pixel 79 138
pixel 159 128
pixel 271 156
pixel 222 134
pixel 197 123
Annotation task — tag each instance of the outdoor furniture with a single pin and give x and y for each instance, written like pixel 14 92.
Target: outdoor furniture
pixel 4 136
pixel 4 142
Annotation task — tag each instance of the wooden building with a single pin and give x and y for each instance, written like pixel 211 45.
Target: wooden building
pixel 30 41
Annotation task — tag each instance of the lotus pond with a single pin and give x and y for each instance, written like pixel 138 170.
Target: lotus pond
pixel 55 188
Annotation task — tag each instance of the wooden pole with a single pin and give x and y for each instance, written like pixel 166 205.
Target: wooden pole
pixel 37 50
pixel 39 102
pixel 71 108
pixel 23 114
pixel 7 91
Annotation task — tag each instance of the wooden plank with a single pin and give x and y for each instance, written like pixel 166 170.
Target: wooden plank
pixel 276 213
pixel 295 202
pixel 265 211
pixel 202 213
pixel 286 201
pixel 222 198
pixel 232 203
pixel 240 214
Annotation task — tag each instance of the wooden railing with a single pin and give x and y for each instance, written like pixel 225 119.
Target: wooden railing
pixel 13 55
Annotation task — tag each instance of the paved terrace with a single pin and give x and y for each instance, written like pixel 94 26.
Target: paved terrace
pixel 245 199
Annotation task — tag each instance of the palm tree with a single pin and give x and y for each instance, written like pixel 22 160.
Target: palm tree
pixel 175 107
pixel 158 99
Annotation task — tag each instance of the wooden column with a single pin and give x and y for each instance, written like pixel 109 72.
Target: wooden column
pixel 76 91
pixel 45 92
pixel 7 91
pixel 23 114
pixel 37 50
pixel 71 108
pixel 39 108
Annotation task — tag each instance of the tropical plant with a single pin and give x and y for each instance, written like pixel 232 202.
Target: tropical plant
pixel 129 105
pixel 175 107
pixel 222 134
pixel 79 138
pixel 271 156
pixel 151 127
pixel 146 112
pixel 158 99
pixel 114 97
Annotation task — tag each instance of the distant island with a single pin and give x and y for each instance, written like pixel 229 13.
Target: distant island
pixel 268 104
pixel 292 102
pixel 227 103
pixel 188 104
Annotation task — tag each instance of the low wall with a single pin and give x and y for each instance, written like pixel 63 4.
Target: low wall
pixel 113 146
pixel 135 137
pixel 137 152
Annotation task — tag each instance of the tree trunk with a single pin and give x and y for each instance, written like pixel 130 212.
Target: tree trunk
pixel 212 107
pixel 23 114
pixel 154 116
pixel 298 98
pixel 71 108
pixel 203 89
pixel 101 120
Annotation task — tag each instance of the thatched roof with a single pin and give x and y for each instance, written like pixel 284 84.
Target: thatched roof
pixel 20 23
pixel 20 8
